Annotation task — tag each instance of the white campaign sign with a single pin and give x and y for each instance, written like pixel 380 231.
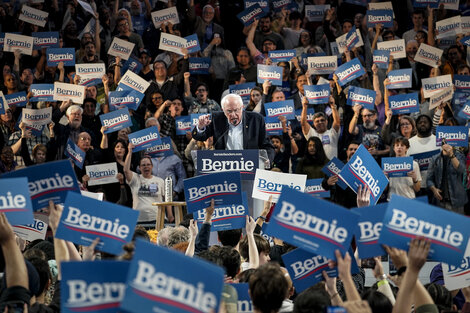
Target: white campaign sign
pixel 381 6
pixel 457 277
pixel 465 24
pixel 36 230
pixel 33 16
pixel 13 42
pixel 64 92
pixel 121 48
pixel 89 71
pixel 396 48
pixel 445 95
pixel 165 16
pixel 36 117
pixel 134 81
pixel 322 65
pixel 87 7
pixel 102 174
pixel 93 195
pixel 428 55
pixel 172 43
pixel 435 85
pixel 449 27
pixel 268 183
pixel 341 41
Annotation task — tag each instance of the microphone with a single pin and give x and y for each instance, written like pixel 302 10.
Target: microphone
pixel 222 136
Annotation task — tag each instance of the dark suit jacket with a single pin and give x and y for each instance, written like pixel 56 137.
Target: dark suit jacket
pixel 254 132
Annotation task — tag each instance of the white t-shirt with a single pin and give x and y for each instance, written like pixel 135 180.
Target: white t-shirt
pixel 144 193
pixel 403 186
pixel 420 145
pixel 329 140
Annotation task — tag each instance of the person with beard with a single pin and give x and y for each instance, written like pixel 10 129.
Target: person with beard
pixel 267 45
pixel 369 132
pixel 314 159
pixel 202 103
pixel 284 147
pixel 264 33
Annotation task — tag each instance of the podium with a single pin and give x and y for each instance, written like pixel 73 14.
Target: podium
pixel 160 221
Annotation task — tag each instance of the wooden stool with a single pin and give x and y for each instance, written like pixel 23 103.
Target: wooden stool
pixel 161 212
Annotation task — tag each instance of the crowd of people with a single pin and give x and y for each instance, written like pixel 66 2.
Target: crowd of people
pixel 318 134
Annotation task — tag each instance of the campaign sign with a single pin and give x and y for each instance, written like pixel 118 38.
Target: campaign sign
pixel 428 55
pixel 456 136
pixel 312 224
pixel 349 71
pixel 195 118
pixel 249 15
pixel 31 232
pixel 261 3
pixel 3 103
pixel 57 55
pixel 273 126
pixel 281 55
pixel 65 92
pixel 465 40
pixel 363 170
pixel 127 98
pixel 244 304
pixel 445 94
pixel 424 158
pixel 314 13
pixel 433 4
pixel 76 154
pixel 319 65
pixel 188 285
pixel 278 5
pixel 15 201
pixel 18 99
pixel 15 42
pixel 243 90
pixel 449 27
pixel 271 73
pixel 116 120
pixel 404 103
pixel 399 79
pixel 132 65
pixel 199 65
pixel 121 48
pixel 133 81
pixel 306 269
pixel 33 16
pixel 462 83
pixel 381 58
pixel 162 150
pixel 224 188
pixel 465 24
pixel 361 96
pixel 93 286
pixel 314 188
pixel 192 43
pixel 280 108
pixel 215 161
pixel 398 166
pixel 317 94
pixel 348 41
pixel 90 74
pixel 465 112
pixel 457 276
pixel 396 48
pixel 172 43
pixel 101 174
pixel 145 138
pixel 269 183
pixel 85 219
pixel 310 113
pixel 368 230
pixel 183 125
pixel 352 38
pixel 164 16
pixel 384 17
pixel 87 7
pixel 36 117
pixel 406 219
pixel 45 40
pixel 2 40
pixel 434 85
pixel 334 168
pixel 42 92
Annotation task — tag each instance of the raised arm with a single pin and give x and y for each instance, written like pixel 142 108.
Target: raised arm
pixel 353 129
pixel 376 84
pixel 334 111
pixel 127 163
pixel 250 37
pixel 253 253
pixel 303 117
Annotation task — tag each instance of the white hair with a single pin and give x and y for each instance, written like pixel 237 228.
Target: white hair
pixel 150 119
pixel 237 98
pixel 73 108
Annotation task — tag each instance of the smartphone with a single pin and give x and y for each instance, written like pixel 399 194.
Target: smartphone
pixel 392 270
pixel 335 309
pixel 368 263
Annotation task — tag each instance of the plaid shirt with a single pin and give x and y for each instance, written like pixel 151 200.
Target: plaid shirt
pixel 30 142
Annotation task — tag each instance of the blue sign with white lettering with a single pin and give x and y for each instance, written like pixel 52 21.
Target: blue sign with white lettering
pixel 273 126
pixel 433 4
pixel 310 113
pixel 2 105
pixel 224 188
pixel 404 103
pixel 132 65
pixel 399 79
pixel 76 154
pixel 188 285
pixel 281 55
pixel 145 138
pixel 261 3
pixel 45 40
pixel 183 125
pixel 271 73
pixel 278 5
pixel 456 136
pixel 127 98
pixel 199 65
pixel 462 83
pixel 306 269
pixel 384 17
pixel 192 44
pixel 93 286
pixel 368 230
pixel 406 219
pixel 248 16
pixel 85 219
pixel 314 188
pixel 48 181
pixel 311 223
pixel 398 166
pixel 244 162
pixel 381 58
pixel 17 99
pixel 195 118
pixel 163 150
pixel 280 108
pixel 42 92
pixel 465 40
pixel 424 159
pixel 361 96
pixel 57 55
pixel 317 94
pixel 349 71
pixel 465 112
pixel 352 39
pixel 116 120
pixel 244 301
pixel 363 170
pixel 243 90
pixel 15 201
pixel 334 168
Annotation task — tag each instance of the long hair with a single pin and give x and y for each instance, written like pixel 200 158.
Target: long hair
pixel 319 156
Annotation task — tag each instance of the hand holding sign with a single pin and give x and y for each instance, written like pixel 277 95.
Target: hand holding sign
pixel 55 212
pixel 417 254
pixel 363 196
pixel 6 232
pixel 398 256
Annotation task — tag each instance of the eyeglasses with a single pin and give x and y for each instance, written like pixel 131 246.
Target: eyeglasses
pixel 123 24
pixel 201 90
pixel 405 124
pixel 368 115
pixel 85 138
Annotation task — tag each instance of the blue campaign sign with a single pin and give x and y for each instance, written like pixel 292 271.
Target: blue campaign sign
pixel 399 79
pixel 363 170
pixel 456 136
pixel 223 187
pixel 273 126
pixel 278 5
pixel 305 268
pixel 15 201
pixel 271 73
pixel 280 108
pixel 358 2
pixel 127 98
pixel 195 118
pixel 188 285
pixel 45 40
pixel 42 92
pixel 465 112
pixel 116 120
pixel 368 230
pixel 334 168
pixel 162 150
pixel 261 3
pixel 362 96
pixel 76 154
pixel 57 55
pixel 462 83
pixel 381 58
pixel 317 94
pixel 433 4
pixel 132 65
pixel 192 43
pixel 281 55
pixel 351 38
pixel 48 181
pixel 349 71
pixel 244 162
pixel 85 219
pixel 404 103
pixel 2 104
pixel 465 40
pixel 311 223
pixel 249 15
pixel 17 99
pixel 93 286
pixel 384 17
pixel 424 159
pixel 183 125
pixel 406 219
pixel 145 138
pixel 398 166
pixel 310 113
pixel 314 188
pixel 243 90
pixel 199 65
pixel 244 301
